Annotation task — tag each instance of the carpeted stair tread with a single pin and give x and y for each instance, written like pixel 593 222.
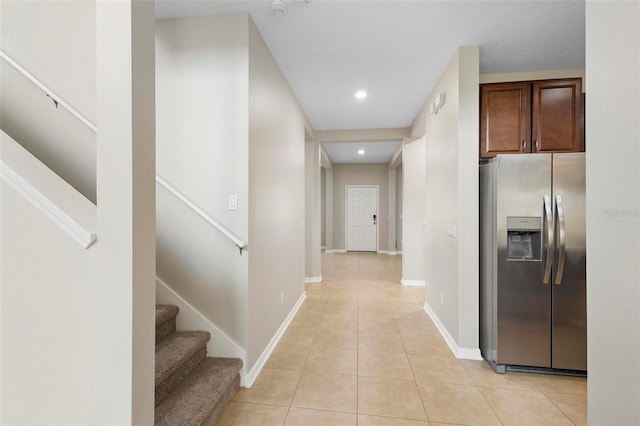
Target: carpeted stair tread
pixel 165 321
pixel 199 397
pixel 176 350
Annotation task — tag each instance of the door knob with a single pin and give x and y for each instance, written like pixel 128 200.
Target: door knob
pixel 374 219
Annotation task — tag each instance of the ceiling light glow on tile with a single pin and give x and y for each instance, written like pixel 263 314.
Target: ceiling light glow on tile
pixel 360 94
pixel 361 152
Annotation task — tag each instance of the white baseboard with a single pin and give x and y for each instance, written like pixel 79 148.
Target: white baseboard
pixel 460 353
pixel 329 251
pixel 392 253
pixel 252 375
pixel 309 280
pixel 189 318
pixel 417 283
pixel 339 251
pixel 398 251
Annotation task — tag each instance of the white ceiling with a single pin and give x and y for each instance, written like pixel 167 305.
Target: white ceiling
pixel 396 50
pixel 374 152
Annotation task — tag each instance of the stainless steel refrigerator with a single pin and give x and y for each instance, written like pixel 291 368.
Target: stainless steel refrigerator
pixel 533 262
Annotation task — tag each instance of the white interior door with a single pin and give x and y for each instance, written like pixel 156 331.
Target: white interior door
pixel 362 218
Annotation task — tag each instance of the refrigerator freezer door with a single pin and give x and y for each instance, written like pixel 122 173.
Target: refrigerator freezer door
pixel 524 302
pixel 569 327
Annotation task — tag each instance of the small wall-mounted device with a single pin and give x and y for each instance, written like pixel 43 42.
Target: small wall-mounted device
pixel 278 7
pixel 438 103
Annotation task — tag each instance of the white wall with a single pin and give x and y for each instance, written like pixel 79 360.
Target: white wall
pixel 323 207
pixel 202 150
pixel 399 203
pixel 359 174
pixel 313 211
pixel 126 211
pixel 78 325
pixel 413 210
pixel 613 211
pixel 276 197
pixel 451 155
pixel 56 42
pixel 50 346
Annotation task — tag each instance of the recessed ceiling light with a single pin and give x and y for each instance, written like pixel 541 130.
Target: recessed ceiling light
pixel 360 94
pixel 361 152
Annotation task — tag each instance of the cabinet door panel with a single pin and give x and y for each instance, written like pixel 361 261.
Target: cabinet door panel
pixel 557 110
pixel 505 118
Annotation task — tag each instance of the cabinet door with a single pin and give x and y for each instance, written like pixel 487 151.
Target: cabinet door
pixel 505 116
pixel 557 112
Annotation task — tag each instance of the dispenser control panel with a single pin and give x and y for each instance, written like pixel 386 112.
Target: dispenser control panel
pixel 524 238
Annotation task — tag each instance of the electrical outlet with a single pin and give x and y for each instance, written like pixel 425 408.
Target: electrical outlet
pixel 451 230
pixel 441 298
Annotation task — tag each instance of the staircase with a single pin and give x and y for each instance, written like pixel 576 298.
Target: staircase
pixel 191 388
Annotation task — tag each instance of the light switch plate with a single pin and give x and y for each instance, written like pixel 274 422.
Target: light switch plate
pixel 451 230
pixel 233 202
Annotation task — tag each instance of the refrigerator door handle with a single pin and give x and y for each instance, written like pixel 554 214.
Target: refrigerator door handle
pixel 549 228
pixel 561 240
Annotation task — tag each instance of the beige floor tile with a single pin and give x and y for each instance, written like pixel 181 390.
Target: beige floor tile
pixel 344 316
pixel 574 406
pixel 364 420
pixel 302 336
pixel 376 308
pixel 313 305
pixel 560 384
pixel 392 365
pixel 377 324
pixel 427 368
pixel 336 338
pixel 308 417
pixel 341 309
pixel 327 392
pixel 307 319
pixel 416 326
pixel 483 375
pixel 463 404
pixel 275 387
pixel 317 292
pixel 402 310
pixel 339 321
pixel 426 343
pixel 383 341
pixel 390 397
pixel 332 361
pixel 245 414
pixel 524 407
pixel 288 357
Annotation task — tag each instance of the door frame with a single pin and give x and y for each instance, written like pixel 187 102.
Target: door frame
pixel 346 213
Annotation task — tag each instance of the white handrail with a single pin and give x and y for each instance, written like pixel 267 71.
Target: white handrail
pixel 166 185
pixel 57 99
pixel 238 242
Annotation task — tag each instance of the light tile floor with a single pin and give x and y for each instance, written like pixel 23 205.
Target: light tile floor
pixel 362 351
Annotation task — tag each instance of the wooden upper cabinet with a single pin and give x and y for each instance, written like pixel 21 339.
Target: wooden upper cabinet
pixel 505 118
pixel 531 116
pixel 557 116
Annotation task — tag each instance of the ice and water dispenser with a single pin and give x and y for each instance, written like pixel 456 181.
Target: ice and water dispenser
pixel 524 238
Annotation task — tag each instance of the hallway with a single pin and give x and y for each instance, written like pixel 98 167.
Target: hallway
pixel 362 351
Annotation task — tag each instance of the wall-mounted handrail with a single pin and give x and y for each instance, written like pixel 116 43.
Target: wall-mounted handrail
pixel 166 185
pixel 57 99
pixel 47 192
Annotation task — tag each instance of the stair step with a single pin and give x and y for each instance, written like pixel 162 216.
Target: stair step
pixel 176 356
pixel 202 395
pixel 165 321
